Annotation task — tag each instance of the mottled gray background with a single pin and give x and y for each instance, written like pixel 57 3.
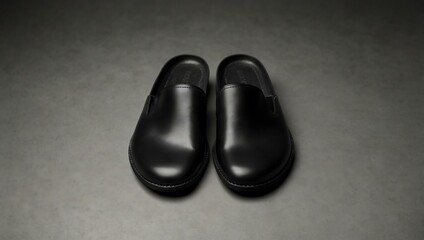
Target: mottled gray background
pixel 74 76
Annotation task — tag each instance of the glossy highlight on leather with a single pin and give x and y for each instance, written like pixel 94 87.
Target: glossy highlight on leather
pixel 254 149
pixel 168 150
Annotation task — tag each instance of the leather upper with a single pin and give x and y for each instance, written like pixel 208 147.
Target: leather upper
pixel 253 142
pixel 169 142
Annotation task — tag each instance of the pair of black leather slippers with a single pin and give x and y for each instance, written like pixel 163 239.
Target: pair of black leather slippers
pixel 254 149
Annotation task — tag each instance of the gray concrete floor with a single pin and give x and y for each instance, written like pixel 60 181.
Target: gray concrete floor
pixel 74 76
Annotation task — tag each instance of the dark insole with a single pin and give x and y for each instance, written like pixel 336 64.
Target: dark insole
pixel 243 71
pixel 189 72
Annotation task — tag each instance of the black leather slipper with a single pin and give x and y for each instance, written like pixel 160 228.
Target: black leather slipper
pixel 168 150
pixel 254 149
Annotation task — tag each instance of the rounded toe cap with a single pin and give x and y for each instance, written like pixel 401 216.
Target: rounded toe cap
pixel 168 166
pixel 252 165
